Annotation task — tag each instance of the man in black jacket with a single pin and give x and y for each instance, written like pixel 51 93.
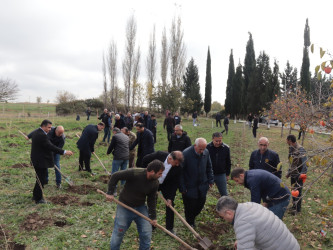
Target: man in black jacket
pixel 145 142
pixel 170 179
pixel 86 144
pixel 42 157
pixel 169 123
pixel 218 118
pixel 179 140
pixel 226 124
pixel 220 157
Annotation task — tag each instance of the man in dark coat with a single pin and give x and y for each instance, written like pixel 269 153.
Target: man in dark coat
pixel 226 124
pixel 169 181
pixel 129 121
pixel 220 157
pixel 86 144
pixel 265 159
pixel 266 187
pixel 119 123
pixel 196 178
pixel 42 157
pixel 255 126
pixel 218 118
pixel 145 142
pixel 169 123
pixel 147 120
pixel 179 140
pixel 177 118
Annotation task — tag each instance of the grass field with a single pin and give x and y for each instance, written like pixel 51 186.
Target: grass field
pixel 79 218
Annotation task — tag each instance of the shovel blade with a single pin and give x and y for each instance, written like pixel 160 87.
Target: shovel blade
pixel 205 243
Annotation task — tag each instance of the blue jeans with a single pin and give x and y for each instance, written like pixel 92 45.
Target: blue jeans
pixel 194 120
pixel 221 183
pixel 57 163
pixel 119 164
pixel 280 208
pixel 107 134
pixel 56 159
pixel 123 220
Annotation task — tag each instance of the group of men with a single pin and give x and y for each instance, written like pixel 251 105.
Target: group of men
pixel 192 169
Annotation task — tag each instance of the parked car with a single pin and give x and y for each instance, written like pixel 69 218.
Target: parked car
pixel 266 120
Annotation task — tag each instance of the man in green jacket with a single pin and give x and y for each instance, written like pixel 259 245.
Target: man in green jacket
pixel 141 184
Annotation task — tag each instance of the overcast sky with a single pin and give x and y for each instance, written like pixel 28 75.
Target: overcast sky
pixel 46 46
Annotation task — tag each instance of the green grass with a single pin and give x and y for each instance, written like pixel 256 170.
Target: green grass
pixel 90 227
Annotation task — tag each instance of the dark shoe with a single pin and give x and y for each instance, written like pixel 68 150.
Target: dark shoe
pixel 41 201
pixel 58 185
pixel 172 231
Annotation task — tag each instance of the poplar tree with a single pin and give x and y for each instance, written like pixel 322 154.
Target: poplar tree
pixel 305 70
pixel 208 86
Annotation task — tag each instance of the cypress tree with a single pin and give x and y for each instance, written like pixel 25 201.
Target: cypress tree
pixel 305 70
pixel 191 87
pixel 208 87
pixel 237 84
pixel 249 72
pixel 231 74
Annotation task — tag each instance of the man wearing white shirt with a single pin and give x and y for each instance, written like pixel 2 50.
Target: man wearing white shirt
pixel 170 179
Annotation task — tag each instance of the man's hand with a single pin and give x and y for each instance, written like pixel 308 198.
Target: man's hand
pixel 154 223
pixel 69 153
pixel 235 245
pixel 169 202
pixel 265 204
pixel 109 197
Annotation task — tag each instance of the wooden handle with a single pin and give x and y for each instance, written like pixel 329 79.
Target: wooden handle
pixel 101 163
pixel 148 219
pixel 180 217
pixel 26 137
pixel 66 178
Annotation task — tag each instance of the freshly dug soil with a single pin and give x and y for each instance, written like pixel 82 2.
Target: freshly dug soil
pixel 65 200
pixel 83 189
pixel 34 222
pixel 20 165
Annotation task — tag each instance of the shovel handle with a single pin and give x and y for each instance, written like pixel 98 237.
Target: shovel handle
pixel 148 219
pixel 26 137
pixel 101 163
pixel 180 217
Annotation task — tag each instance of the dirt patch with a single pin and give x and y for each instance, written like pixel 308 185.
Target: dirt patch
pixel 83 189
pixel 2 128
pixel 69 137
pixel 64 200
pixel 15 246
pixel 104 178
pixel 13 145
pixel 77 128
pixel 60 223
pixel 87 203
pixel 34 222
pixel 13 135
pixel 21 165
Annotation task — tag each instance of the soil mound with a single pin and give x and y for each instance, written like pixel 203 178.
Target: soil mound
pixel 64 200
pixel 20 165
pixel 83 189
pixel 104 178
pixel 12 145
pixel 34 222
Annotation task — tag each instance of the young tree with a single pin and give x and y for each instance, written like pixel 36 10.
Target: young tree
pixel 164 60
pixel 151 68
pixel 129 59
pixel 8 90
pixel 237 85
pixel 305 70
pixel 177 53
pixel 135 84
pixel 249 72
pixel 112 68
pixel 191 88
pixel 64 96
pixel 231 74
pixel 208 87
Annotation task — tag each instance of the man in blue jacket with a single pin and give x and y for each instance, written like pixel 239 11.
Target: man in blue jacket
pixel 86 144
pixel 266 187
pixel 220 157
pixel 145 142
pixel 196 178
pixel 265 159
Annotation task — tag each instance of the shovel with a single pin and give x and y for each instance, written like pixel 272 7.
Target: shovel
pixel 205 243
pixel 148 219
pixel 67 179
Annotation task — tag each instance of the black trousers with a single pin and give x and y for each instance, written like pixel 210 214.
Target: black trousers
pixel 254 132
pixel 84 158
pixel 170 132
pixel 226 128
pixel 40 182
pixel 218 122
pixel 298 185
pixel 153 130
pixel 193 208
pixel 169 215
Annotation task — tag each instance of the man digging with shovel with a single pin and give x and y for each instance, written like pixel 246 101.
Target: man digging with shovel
pixel 141 184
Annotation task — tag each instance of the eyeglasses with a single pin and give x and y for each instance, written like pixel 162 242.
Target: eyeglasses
pixel 263 145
